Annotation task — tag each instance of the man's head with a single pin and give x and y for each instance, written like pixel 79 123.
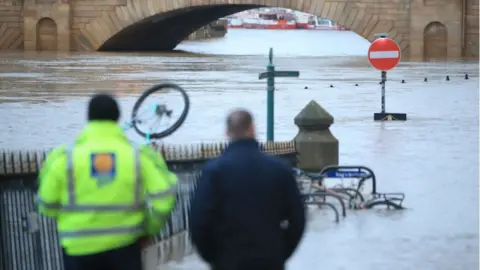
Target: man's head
pixel 103 107
pixel 240 125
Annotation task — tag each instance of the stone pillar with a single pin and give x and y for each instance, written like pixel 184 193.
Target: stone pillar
pixel 58 11
pixel 316 145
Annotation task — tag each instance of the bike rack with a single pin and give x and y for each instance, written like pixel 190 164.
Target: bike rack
pixel 393 198
pixel 361 172
pixel 337 216
pixel 331 205
pixel 322 194
pixel 352 201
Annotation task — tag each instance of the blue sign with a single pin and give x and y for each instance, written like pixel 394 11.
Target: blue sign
pixel 346 174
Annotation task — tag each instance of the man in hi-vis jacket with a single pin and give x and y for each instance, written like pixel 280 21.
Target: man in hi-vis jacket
pixel 97 189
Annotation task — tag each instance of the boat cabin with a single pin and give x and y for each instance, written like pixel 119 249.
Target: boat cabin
pixel 277 16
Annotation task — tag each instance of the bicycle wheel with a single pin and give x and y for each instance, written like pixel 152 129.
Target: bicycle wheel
pixel 388 204
pixel 159 111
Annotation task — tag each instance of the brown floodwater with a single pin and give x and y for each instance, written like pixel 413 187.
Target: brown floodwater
pixel 432 157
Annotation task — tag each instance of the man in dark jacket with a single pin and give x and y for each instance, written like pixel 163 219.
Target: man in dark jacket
pixel 247 212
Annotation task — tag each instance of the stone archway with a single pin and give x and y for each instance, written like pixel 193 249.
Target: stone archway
pixel 46 35
pixel 147 25
pixel 435 41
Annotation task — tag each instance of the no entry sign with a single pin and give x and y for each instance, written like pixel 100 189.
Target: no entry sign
pixel 384 54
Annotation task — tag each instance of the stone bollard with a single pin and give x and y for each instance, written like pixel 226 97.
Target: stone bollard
pixel 316 145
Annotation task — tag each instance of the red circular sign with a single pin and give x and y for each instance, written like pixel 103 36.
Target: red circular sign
pixel 384 54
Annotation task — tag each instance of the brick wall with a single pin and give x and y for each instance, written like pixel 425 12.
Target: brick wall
pixel 11 25
pixel 471 30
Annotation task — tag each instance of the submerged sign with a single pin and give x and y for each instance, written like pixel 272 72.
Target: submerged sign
pixel 347 174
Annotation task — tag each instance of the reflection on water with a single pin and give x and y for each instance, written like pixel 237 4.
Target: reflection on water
pixel 433 157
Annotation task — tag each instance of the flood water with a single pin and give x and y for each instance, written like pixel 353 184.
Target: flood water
pixel 432 157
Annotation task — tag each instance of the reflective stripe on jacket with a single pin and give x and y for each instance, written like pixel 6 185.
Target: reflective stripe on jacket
pixel 98 189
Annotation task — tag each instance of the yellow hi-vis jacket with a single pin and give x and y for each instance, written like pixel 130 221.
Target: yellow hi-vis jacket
pixel 104 192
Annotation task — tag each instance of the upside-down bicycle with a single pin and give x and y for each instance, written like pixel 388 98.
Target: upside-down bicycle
pixel 158 111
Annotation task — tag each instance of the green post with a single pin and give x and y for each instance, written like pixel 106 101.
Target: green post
pixel 270 76
pixel 270 96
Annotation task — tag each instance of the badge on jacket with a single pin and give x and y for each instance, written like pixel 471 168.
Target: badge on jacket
pixel 103 167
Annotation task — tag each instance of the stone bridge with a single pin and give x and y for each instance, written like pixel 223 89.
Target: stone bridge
pixel 423 28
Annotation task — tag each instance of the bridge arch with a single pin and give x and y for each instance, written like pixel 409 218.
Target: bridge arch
pixel 162 24
pixel 46 34
pixel 435 38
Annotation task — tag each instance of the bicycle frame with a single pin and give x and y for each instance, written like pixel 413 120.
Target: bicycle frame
pixel 129 124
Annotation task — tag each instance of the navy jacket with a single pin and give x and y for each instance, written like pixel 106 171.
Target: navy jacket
pixel 242 197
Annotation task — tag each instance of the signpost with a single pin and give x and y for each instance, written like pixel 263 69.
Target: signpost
pixel 270 76
pixel 384 54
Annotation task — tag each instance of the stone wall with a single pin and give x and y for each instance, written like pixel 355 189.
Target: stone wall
pixel 84 25
pixel 11 25
pixel 93 22
pixel 435 21
pixel 84 12
pixel 390 17
pixel 471 29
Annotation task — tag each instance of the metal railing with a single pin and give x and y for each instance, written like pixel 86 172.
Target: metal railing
pixel 29 241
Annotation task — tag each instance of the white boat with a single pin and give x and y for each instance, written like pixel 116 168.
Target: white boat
pixel 267 18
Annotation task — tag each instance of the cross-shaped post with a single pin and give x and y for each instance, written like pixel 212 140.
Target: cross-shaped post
pixel 270 76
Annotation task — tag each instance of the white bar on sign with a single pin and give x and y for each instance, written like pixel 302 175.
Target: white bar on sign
pixel 384 54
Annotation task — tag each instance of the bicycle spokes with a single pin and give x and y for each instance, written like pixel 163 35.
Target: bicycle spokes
pixel 167 108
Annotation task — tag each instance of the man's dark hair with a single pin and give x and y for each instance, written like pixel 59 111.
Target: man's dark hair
pixel 103 107
pixel 238 122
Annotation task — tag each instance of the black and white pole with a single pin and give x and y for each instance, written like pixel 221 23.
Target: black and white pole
pixel 384 79
pixel 383 76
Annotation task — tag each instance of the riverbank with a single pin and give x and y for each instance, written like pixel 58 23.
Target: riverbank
pixel 214 29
